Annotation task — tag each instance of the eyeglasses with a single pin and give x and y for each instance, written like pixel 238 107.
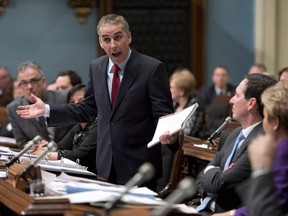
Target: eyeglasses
pixel 33 82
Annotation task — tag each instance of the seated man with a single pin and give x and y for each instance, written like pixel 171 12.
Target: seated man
pixel 217 182
pixel 67 79
pixel 32 80
pixel 215 99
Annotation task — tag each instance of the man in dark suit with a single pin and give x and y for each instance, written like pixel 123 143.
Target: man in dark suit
pixel 125 124
pixel 215 99
pixel 220 86
pixel 229 168
pixel 32 80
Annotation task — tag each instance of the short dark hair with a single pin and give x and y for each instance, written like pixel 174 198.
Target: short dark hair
pixel 75 79
pixel 256 85
pixel 74 89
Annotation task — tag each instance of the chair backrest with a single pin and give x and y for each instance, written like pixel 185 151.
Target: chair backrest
pixel 215 115
pixel 176 165
pixel 3 114
pixel 175 169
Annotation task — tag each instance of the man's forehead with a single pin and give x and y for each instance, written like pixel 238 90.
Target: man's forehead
pixel 110 29
pixel 111 34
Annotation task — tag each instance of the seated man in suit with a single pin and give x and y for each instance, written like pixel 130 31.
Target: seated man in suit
pixel 217 182
pixel 32 80
pixel 269 156
pixel 215 99
pixel 220 86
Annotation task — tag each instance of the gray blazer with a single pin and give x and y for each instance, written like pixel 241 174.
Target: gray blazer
pixel 223 184
pixel 26 129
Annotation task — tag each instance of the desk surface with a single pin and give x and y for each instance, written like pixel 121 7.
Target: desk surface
pixel 22 204
pixel 197 152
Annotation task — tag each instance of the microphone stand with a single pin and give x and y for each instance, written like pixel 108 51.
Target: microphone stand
pixel 36 187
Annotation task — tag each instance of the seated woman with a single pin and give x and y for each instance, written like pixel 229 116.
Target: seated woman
pixel 183 90
pixel 80 142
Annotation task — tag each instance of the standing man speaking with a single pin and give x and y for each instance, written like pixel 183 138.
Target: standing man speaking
pixel 128 91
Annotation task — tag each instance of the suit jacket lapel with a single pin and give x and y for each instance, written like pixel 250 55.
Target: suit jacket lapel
pixel 251 136
pixel 131 72
pixel 103 82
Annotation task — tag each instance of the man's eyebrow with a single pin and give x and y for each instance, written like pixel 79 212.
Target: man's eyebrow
pixel 117 33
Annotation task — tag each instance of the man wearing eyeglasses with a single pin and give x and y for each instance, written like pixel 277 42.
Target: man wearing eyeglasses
pixel 32 80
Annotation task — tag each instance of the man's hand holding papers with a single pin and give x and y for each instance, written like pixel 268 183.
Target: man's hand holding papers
pixel 171 124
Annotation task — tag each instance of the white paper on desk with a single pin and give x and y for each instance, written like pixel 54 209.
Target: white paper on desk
pixel 104 196
pixel 7 140
pixel 203 145
pixel 172 123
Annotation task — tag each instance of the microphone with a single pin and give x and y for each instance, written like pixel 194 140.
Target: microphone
pixel 219 130
pixel 35 141
pixel 52 146
pixel 145 173
pixel 186 188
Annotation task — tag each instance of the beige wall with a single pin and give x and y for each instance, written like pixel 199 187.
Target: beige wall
pixel 271 33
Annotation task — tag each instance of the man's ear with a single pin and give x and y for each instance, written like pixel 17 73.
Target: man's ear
pixel 252 103
pixel 100 42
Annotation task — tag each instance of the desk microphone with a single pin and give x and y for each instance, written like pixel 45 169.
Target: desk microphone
pixel 186 188
pixel 219 130
pixel 145 173
pixel 35 141
pixel 52 146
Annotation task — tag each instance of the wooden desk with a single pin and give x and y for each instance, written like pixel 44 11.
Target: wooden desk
pixel 22 204
pixel 17 202
pixel 195 158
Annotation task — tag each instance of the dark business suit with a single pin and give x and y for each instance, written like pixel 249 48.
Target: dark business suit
pixel 262 198
pixel 270 199
pixel 125 130
pixel 208 93
pixel 223 184
pixel 26 129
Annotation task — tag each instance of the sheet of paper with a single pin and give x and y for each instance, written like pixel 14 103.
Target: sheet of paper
pixel 172 123
pixel 7 140
pixel 203 145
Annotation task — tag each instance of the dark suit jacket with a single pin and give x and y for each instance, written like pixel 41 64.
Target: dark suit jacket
pixel 125 130
pixel 262 197
pixel 270 199
pixel 262 201
pixel 83 147
pixel 26 129
pixel 208 93
pixel 223 184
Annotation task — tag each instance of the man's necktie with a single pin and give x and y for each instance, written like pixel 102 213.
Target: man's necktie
pixel 239 138
pixel 115 84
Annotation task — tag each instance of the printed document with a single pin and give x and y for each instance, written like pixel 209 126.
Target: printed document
pixel 172 123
